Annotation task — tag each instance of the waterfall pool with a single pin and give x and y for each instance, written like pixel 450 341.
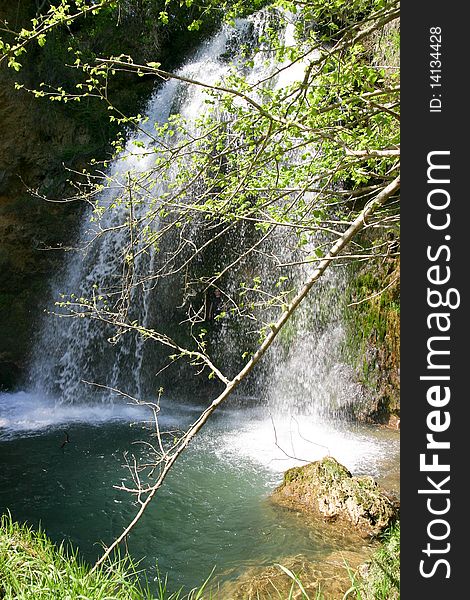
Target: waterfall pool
pixel 212 511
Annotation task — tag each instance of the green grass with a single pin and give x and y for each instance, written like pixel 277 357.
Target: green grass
pixel 382 580
pixel 32 567
pixel 297 587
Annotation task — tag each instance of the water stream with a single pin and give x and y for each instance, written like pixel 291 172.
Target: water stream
pixel 213 510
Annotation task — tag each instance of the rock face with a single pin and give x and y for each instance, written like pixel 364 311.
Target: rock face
pixel 39 141
pixel 326 488
pixel 29 227
pixel 373 332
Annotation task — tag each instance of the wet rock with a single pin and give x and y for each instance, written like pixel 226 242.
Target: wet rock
pixel 327 489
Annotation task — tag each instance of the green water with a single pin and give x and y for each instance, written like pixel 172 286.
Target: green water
pixel 213 510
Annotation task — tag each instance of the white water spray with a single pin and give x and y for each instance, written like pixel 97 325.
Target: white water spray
pixel 306 379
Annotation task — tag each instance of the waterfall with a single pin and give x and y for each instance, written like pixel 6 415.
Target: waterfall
pixel 310 376
pixel 307 377
pixel 71 350
pixel 213 509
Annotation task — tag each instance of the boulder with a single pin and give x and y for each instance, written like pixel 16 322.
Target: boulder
pixel 327 489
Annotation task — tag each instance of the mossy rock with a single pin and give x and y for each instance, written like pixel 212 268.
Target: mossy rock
pixel 327 489
pixel 372 343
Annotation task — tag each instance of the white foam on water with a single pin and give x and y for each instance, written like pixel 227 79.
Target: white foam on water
pixel 280 441
pixel 250 437
pixel 310 377
pixel 27 413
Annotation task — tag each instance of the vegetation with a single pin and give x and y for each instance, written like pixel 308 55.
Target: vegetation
pixel 31 566
pixel 132 27
pixel 286 172
pixel 373 336
pixel 380 580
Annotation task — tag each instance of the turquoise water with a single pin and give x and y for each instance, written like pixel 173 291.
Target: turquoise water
pixel 213 510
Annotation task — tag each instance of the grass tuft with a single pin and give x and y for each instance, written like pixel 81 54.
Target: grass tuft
pixel 381 581
pixel 32 566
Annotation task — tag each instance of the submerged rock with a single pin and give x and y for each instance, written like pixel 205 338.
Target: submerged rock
pixel 326 578
pixel 326 488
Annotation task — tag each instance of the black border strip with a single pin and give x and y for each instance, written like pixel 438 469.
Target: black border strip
pixel 434 120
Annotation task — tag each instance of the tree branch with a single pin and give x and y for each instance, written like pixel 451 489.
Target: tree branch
pixel 276 327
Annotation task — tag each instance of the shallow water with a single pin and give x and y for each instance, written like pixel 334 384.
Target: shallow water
pixel 213 509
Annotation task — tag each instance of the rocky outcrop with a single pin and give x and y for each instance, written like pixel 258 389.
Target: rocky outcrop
pixel 327 489
pixel 372 323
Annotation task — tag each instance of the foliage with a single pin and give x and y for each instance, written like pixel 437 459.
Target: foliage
pixel 40 47
pixel 282 171
pixel 32 566
pixel 297 586
pixel 381 581
pixel 373 331
pixel 261 162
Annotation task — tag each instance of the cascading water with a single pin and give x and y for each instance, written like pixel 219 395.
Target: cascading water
pixel 307 378
pixel 248 446
pixel 73 349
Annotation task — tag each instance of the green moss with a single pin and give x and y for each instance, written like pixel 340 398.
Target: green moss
pixel 326 472
pixel 288 333
pixel 294 474
pixel 331 471
pixel 372 342
pixel 327 488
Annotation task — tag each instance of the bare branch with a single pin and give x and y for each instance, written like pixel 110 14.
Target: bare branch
pixel 232 385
